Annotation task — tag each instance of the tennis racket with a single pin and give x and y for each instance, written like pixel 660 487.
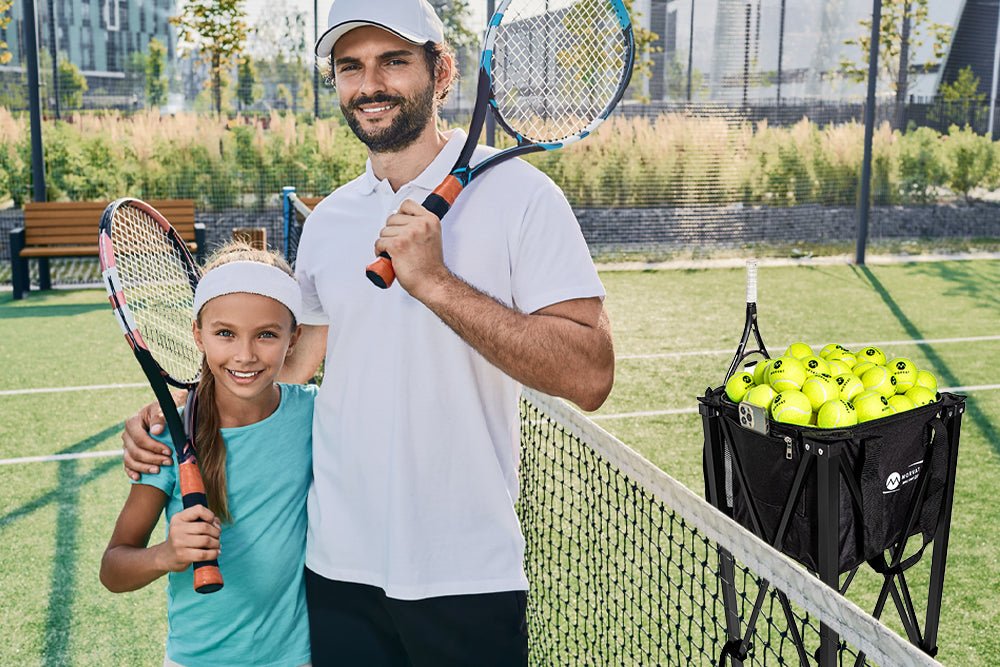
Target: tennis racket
pixel 550 72
pixel 749 326
pixel 150 277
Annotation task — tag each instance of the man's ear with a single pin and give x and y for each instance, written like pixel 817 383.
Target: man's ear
pixel 444 74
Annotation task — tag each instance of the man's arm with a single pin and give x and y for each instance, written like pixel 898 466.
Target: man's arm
pixel 303 362
pixel 564 349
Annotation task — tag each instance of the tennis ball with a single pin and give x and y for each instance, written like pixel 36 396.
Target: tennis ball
pixel 836 414
pixel 871 405
pixel 830 349
pixel 863 367
pixel 927 380
pixel 845 357
pixel 838 367
pixel 901 403
pixel 921 395
pixel 819 389
pixel 904 372
pixel 815 366
pixel 738 385
pixel 791 407
pixel 786 373
pixel 762 396
pixel 760 371
pixel 872 354
pixel 850 385
pixel 799 351
pixel 879 379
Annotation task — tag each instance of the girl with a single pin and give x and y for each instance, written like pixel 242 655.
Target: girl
pixel 254 440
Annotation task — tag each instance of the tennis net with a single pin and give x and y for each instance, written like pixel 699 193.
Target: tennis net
pixel 627 565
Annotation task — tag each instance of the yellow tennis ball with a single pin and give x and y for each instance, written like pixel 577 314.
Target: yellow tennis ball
pixel 799 351
pixel 815 366
pixel 791 407
pixel 819 389
pixel 838 367
pixel 845 357
pixel 904 372
pixel 760 371
pixel 921 395
pixel 927 380
pixel 762 396
pixel 872 354
pixel 849 384
pixel 879 379
pixel 786 373
pixel 863 367
pixel 830 349
pixel 871 405
pixel 738 385
pixel 836 414
pixel 901 403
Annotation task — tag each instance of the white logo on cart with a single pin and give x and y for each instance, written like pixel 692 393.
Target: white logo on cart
pixel 896 480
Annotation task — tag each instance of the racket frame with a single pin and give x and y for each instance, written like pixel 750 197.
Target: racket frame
pixel 207 577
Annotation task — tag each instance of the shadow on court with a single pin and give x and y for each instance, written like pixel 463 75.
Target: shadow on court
pixel 62 581
pixel 9 309
pixel 946 377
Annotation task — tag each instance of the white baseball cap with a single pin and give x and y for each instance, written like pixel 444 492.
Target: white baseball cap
pixel 412 20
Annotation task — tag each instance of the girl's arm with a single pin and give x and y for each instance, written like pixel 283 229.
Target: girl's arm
pixel 129 564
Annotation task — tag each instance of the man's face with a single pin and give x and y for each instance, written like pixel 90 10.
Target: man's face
pixel 386 89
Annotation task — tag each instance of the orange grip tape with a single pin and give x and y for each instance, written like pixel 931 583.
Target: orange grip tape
pixel 449 189
pixel 207 579
pixel 382 268
pixel 190 477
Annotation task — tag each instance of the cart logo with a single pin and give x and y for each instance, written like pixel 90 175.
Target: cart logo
pixel 893 482
pixel 896 480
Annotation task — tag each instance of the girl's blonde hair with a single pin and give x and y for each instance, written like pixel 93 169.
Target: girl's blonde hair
pixel 210 446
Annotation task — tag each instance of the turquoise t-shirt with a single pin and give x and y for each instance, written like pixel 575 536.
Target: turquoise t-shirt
pixel 259 617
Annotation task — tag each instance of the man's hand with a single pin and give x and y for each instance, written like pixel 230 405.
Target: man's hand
pixel 193 537
pixel 412 237
pixel 143 454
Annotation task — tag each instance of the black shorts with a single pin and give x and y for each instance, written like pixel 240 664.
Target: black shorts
pixel 355 624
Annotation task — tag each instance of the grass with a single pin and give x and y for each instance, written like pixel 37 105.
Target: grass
pixel 55 517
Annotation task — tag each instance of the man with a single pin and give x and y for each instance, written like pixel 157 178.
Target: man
pixel 414 552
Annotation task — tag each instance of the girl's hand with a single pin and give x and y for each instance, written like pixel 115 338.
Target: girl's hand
pixel 193 537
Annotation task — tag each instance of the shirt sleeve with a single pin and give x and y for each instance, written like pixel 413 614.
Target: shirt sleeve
pixel 550 261
pixel 166 479
pixel 305 265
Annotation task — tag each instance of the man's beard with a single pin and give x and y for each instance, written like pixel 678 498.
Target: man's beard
pixel 413 115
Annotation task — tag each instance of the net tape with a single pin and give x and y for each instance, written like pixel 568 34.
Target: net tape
pixel 624 566
pixel 557 68
pixel 154 279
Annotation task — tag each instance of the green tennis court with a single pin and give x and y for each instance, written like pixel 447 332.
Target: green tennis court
pixel 68 381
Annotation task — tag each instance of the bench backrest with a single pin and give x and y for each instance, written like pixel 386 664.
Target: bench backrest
pixel 76 223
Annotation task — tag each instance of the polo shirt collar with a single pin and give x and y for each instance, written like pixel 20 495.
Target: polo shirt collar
pixel 434 173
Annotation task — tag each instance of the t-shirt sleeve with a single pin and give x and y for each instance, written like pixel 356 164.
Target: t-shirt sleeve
pixel 306 263
pixel 166 479
pixel 550 259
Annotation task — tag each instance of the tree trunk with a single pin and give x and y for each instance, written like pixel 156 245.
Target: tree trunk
pixel 902 82
pixel 217 83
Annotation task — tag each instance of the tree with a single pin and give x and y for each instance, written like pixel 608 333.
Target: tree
pixel 217 30
pixel 156 80
pixel 904 24
pixel 454 14
pixel 960 99
pixel 246 83
pixel 72 85
pixel 5 17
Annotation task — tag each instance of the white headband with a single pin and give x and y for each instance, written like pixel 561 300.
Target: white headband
pixel 249 278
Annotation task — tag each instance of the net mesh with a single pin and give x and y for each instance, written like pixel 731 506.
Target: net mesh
pixel 153 273
pixel 557 66
pixel 628 567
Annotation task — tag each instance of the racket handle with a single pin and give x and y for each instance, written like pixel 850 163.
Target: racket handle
pixel 207 576
pixel 380 272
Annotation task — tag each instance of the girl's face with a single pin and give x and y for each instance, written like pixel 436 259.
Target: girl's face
pixel 245 338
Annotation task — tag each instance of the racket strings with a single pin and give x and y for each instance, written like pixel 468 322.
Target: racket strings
pixel 154 280
pixel 557 66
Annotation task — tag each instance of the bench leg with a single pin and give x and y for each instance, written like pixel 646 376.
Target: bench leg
pixel 18 265
pixel 44 277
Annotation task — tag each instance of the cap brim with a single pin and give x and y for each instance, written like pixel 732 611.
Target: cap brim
pixel 324 45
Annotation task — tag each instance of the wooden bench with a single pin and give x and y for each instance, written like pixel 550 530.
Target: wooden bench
pixel 69 229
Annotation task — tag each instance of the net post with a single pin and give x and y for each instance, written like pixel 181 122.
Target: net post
pixel 286 214
pixel 828 520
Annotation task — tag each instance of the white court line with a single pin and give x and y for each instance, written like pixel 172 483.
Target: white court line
pixel 688 411
pixel 884 343
pixel 55 390
pixel 61 457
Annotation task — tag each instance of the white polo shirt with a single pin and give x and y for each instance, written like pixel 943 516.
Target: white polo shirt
pixel 416 436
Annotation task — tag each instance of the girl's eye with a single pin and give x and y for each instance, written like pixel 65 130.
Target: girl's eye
pixel 225 333
pixel 268 334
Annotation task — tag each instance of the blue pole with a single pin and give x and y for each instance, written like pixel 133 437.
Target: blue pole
pixel 286 212
pixel 34 101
